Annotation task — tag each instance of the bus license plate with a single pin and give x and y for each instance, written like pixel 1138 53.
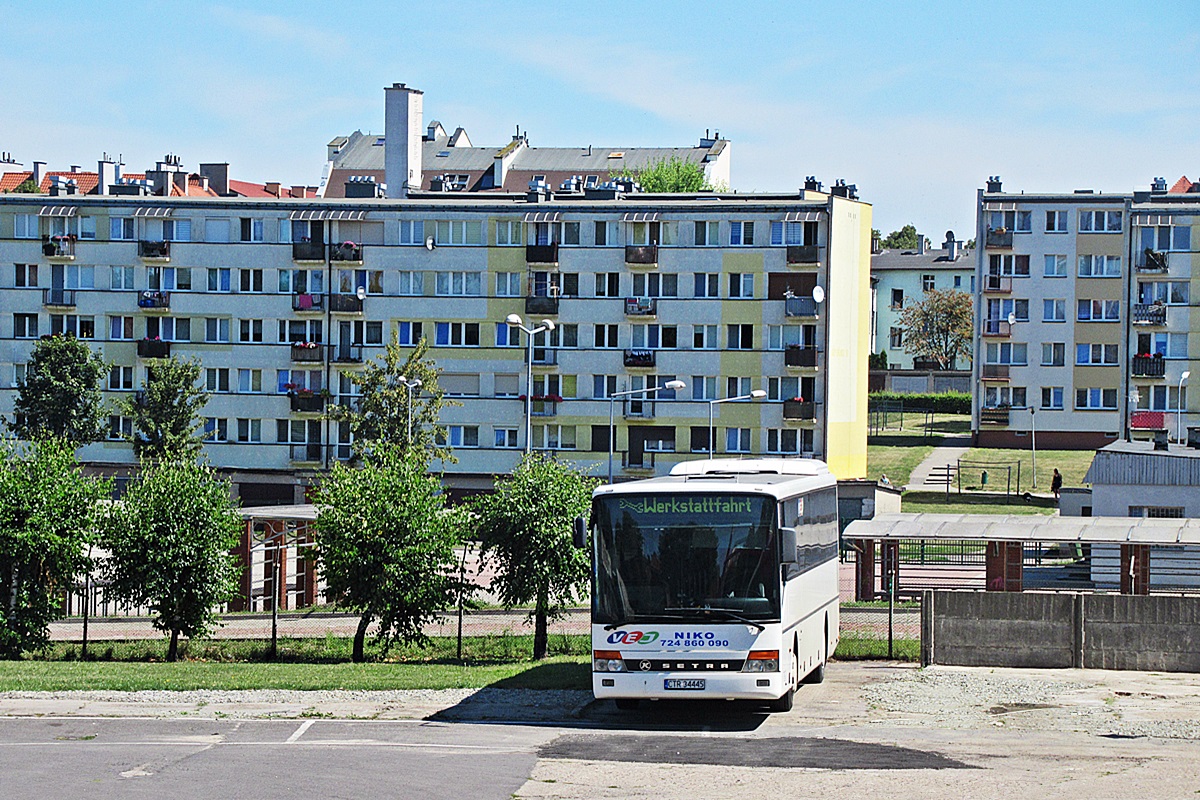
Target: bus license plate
pixel 683 683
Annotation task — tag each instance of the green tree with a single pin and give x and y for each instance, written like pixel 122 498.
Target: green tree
pixel 381 412
pixel 60 393
pixel 48 514
pixel 26 186
pixel 903 239
pixel 525 534
pixel 385 544
pixel 169 543
pixel 672 175
pixel 166 412
pixel 939 327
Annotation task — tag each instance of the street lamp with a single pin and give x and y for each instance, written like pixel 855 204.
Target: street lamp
pixel 612 401
pixel 409 384
pixel 757 394
pixel 514 321
pixel 1033 440
pixel 1179 399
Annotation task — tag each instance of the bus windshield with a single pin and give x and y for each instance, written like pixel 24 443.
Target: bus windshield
pixel 692 556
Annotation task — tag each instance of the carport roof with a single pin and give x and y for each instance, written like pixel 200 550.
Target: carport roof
pixel 1024 528
pixel 303 513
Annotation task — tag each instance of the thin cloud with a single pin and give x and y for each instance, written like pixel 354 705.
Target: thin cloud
pixel 316 39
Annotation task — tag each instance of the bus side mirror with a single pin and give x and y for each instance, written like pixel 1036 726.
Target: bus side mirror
pixel 787 543
pixel 579 533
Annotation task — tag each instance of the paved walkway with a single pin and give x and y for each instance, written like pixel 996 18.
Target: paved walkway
pixel 932 471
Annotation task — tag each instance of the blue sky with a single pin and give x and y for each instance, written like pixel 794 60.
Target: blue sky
pixel 916 103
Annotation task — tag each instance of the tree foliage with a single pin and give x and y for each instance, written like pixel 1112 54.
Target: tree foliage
pixel 166 412
pixel 525 534
pixel 939 327
pixel 381 413
pixel 670 175
pixel 385 544
pixel 26 186
pixel 59 397
pixel 169 541
pixel 48 515
pixel 903 239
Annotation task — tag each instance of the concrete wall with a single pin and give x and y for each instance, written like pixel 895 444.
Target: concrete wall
pixel 1061 630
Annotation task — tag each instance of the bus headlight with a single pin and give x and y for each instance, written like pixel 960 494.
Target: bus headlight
pixel 607 661
pixel 762 661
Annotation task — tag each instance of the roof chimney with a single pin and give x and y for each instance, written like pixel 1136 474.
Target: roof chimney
pixel 920 244
pixel 106 174
pixel 402 139
pixel 299 191
pixel 993 185
pixel 876 243
pixel 39 170
pixel 272 187
pixel 1158 185
pixel 218 177
pixel 951 246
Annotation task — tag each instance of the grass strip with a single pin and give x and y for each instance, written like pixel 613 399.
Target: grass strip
pixel 857 648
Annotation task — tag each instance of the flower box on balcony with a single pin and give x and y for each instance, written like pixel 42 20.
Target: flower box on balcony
pixel 154 250
pixel 798 356
pixel 306 352
pixel 1149 366
pixel 799 409
pixel 153 348
pixel 645 255
pixel 305 401
pixel 346 252
pixel 639 358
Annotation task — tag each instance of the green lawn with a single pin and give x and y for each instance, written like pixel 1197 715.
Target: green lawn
pixel 914 424
pixel 1073 464
pixel 935 503
pixel 896 461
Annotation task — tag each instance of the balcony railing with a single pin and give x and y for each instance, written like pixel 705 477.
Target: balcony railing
pixel 307 353
pixel 307 403
pixel 541 253
pixel 1149 314
pixel 639 358
pixel 308 302
pixel 346 353
pixel 997 327
pixel 993 416
pixel 998 238
pixel 797 356
pixel 159 250
pixel 799 409
pixel 800 307
pixel 1152 261
pixel 545 356
pixel 345 304
pixel 308 251
pixel 346 252
pixel 803 254
pixel 541 305
pixel 1149 367
pixel 308 452
pixel 59 247
pixel 61 298
pixel 641 306
pixel 154 300
pixel 153 348
pixel 644 254
pixel 997 283
pixel 644 461
pixel 995 372
pixel 543 408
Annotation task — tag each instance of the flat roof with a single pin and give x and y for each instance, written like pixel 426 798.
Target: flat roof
pixel 301 513
pixel 1026 528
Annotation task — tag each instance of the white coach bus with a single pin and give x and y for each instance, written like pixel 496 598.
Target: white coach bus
pixel 718 581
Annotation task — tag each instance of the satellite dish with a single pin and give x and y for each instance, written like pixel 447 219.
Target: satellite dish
pixel 818 295
pixel 430 243
pixel 1012 318
pixel 361 292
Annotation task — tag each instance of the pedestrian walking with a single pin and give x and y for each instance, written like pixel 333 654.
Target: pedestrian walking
pixel 1056 483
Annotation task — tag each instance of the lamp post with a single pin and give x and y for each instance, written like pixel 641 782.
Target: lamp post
pixel 515 321
pixel 1033 440
pixel 612 402
pixel 757 394
pixel 1179 399
pixel 409 384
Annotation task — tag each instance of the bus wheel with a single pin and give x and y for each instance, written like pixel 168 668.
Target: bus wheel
pixel 817 675
pixel 627 703
pixel 784 704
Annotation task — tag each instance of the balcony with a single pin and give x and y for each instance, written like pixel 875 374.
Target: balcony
pixel 997 327
pixel 1149 367
pixel 544 405
pixel 58 298
pixel 639 358
pixel 307 353
pixel 541 253
pixel 346 353
pixel 308 302
pixel 308 251
pixel 345 304
pixel 346 253
pixel 644 255
pixel 154 251
pixel 997 284
pixel 803 410
pixel 797 356
pixel 803 254
pixel 307 403
pixel 154 301
pixel 1151 261
pixel 998 238
pixel 993 416
pixel 59 248
pixel 643 462
pixel 308 452
pixel 541 305
pixel 153 348
pixel 545 356
pixel 799 307
pixel 995 372
pixel 641 306
pixel 1149 314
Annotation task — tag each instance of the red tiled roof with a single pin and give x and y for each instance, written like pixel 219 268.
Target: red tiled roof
pixel 195 188
pixel 11 180
pixel 1182 186
pixel 248 189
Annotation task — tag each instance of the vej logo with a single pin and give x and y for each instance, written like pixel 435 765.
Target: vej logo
pixel 632 637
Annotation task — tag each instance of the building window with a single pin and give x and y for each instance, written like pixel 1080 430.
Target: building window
pixel 508 284
pixel 1096 398
pixel 1054 310
pixel 216 429
pixel 216 379
pixel 1095 354
pixel 73 325
pixel 897 299
pixel 704 387
pixel 26 275
pixel 603 386
pixel 1156 512
pixel 1099 221
pixel 1054 354
pixel 927 283
pixel 1056 266
pixel 252 230
pixel 895 338
pixel 216 329
pixel 653 337
pixel 1004 396
pixel 249 381
pixel 1016 266
pixel 1056 222
pixel 458 284
pixel 1052 398
pixel 707 284
pixel 120 427
pixel 704 337
pixel 251 280
pixel 458 232
pixel 608 284
pixel 554 437
pixel 1099 311
pixel 25 226
pixel 505 437
pixel 605 336
pixel 793 233
pixel 120 378
pixel 457 334
pixel 708 233
pixel 121 228
pixel 737 386
pixel 741 284
pixel 1162 398
pixel 177 230
pixel 250 330
pixel 1099 266
pixel 741 337
pixel 607 233
pixel 741 234
pixel 460 436
pixel 1015 353
pixel 169 329
pixel 737 440
pixel 249 430
pixel 508 232
pixel 655 285
pixel 120 328
pixel 1172 293
pixel 25 326
pixel 219 279
pixel 408 333
pixel 783 441
pixel 1166 237
pixel 1019 221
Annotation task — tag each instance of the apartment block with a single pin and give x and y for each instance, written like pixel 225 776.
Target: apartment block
pixel 1083 315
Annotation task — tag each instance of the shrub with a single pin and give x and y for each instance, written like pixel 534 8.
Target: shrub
pixel 941 402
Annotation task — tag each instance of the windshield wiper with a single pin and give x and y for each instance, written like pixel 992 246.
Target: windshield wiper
pixel 642 618
pixel 730 613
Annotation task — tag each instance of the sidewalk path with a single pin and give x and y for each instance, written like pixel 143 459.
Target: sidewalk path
pixel 931 471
